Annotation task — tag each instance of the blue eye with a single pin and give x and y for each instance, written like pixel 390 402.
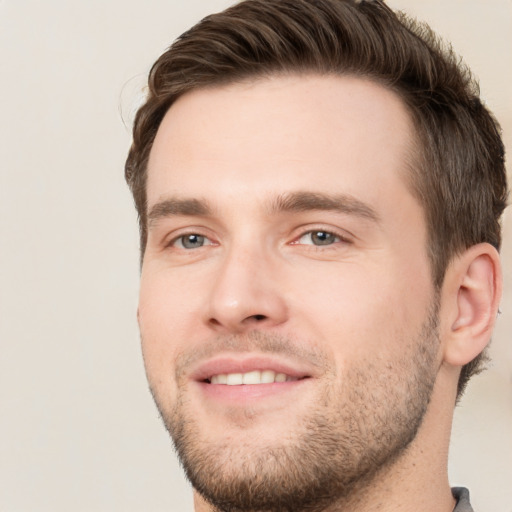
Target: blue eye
pixel 319 238
pixel 192 241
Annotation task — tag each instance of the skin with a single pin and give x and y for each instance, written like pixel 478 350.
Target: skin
pixel 243 151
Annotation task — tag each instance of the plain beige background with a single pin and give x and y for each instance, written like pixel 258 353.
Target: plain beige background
pixel 78 430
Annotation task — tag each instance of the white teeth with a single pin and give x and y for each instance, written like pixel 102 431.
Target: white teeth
pixel 268 376
pixel 219 379
pixel 254 377
pixel 234 379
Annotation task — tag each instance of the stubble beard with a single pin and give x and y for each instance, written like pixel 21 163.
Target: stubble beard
pixel 357 428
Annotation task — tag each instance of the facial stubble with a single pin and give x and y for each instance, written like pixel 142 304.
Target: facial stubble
pixel 356 428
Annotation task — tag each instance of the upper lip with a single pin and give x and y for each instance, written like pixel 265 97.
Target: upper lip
pixel 226 364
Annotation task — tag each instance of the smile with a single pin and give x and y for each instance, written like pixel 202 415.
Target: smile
pixel 235 380
pixel 250 378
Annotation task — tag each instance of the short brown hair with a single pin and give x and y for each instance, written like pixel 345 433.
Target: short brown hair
pixel 459 174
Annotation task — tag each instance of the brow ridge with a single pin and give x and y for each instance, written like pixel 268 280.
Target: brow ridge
pixel 305 201
pixel 301 201
pixel 178 206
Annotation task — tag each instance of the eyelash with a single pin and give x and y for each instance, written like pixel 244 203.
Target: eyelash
pixel 338 238
pixel 183 236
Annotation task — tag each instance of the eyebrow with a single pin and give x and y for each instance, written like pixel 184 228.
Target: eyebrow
pixel 175 206
pixel 289 202
pixel 306 201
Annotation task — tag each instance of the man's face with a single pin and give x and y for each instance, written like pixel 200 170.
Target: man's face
pixel 286 309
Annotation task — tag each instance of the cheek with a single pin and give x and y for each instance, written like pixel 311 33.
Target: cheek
pixel 167 300
pixel 363 312
pixel 163 322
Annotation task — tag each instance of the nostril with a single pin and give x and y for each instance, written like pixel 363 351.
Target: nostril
pixel 215 323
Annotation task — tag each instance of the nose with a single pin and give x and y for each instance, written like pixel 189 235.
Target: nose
pixel 246 293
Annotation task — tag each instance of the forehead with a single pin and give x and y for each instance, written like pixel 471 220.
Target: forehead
pixel 304 132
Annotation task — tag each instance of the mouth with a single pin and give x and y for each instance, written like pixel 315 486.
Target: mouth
pixel 233 379
pixel 251 378
pixel 249 370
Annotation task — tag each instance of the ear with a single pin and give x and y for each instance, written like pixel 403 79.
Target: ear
pixel 471 294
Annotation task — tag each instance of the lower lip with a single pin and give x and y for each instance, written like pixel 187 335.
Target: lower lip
pixel 248 392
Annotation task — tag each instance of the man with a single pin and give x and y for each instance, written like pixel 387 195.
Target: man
pixel 319 191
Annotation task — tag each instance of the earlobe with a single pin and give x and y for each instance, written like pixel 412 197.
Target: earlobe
pixel 473 285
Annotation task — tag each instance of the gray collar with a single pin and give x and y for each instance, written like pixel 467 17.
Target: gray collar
pixel 461 494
